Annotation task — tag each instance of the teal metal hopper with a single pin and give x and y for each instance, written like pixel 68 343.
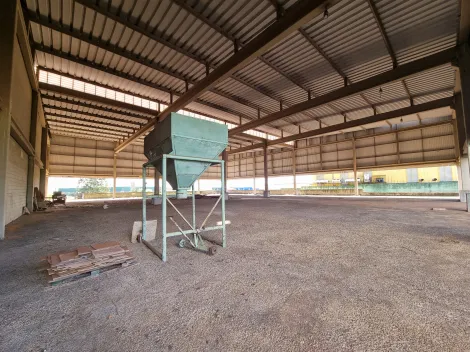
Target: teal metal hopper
pixel 186 136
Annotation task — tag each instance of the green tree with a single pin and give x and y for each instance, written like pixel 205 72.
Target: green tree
pixel 92 185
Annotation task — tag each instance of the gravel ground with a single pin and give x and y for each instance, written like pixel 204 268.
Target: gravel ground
pixel 299 274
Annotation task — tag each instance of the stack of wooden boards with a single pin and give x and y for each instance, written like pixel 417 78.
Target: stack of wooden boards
pixel 87 259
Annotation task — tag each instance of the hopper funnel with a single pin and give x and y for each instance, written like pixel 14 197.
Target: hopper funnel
pixel 182 135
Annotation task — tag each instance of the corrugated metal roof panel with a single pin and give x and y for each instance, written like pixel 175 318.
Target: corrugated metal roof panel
pixel 310 68
pixel 230 105
pixel 386 93
pixel 261 75
pixel 434 96
pixel 93 75
pixel 236 88
pixel 350 37
pixel 438 79
pixel 241 19
pixel 50 95
pixel 417 28
pixel 349 103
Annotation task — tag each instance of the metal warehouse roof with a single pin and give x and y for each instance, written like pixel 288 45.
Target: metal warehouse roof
pixel 149 53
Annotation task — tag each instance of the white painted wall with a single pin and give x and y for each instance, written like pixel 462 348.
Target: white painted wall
pixel 17 167
pixel 21 93
pixel 17 171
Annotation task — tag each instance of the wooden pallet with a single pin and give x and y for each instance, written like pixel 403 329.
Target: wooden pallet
pixel 92 273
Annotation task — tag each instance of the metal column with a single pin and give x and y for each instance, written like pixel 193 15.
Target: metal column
pixel 464 66
pixel 164 160
pixel 44 156
pixel 254 173
pixel 224 171
pixel 294 169
pixel 356 185
pixel 156 189
pixel 31 158
pixel 114 175
pixel 144 203
pixel 222 194
pixel 266 186
pixel 7 40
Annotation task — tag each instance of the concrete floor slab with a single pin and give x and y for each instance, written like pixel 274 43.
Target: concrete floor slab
pixel 299 274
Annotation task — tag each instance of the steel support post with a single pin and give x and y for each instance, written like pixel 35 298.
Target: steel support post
pixel 294 170
pixel 29 183
pixel 464 66
pixel 193 197
pixel 265 159
pixel 463 171
pixel 356 185
pixel 7 40
pixel 224 167
pixel 193 203
pixel 222 194
pixel 31 158
pixel 144 204
pixel 164 162
pixel 114 175
pixel 156 189
pixel 43 172
pixel 254 173
pixel 463 174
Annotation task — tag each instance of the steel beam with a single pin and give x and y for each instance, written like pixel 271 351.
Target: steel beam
pixel 436 104
pixel 387 43
pixel 87 123
pixel 299 14
pixel 121 20
pixel 392 101
pixel 101 100
pixel 78 127
pixel 79 135
pixel 82 36
pixel 145 83
pixel 397 74
pixel 85 105
pixel 379 22
pixel 227 35
pixel 97 66
pixel 80 132
pixel 463 34
pixel 94 98
pixel 102 120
